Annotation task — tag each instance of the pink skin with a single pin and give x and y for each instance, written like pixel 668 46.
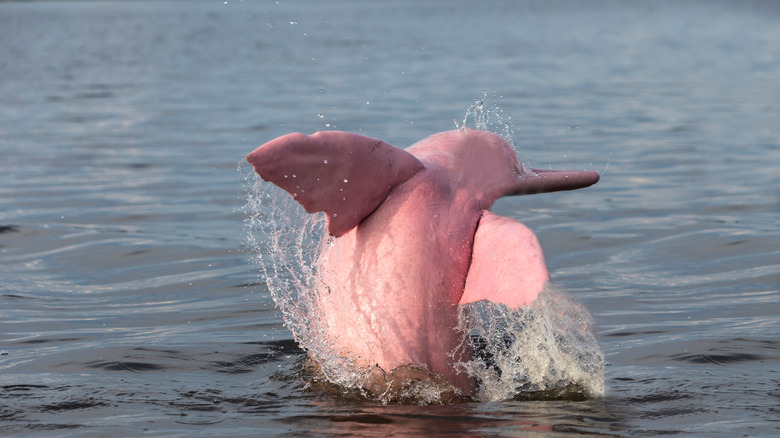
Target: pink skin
pixel 415 237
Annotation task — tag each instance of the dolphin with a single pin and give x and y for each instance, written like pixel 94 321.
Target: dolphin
pixel 415 239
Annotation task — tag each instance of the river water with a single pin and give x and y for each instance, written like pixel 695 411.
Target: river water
pixel 129 300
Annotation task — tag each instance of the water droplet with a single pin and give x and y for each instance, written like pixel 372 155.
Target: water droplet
pixel 294 176
pixel 335 214
pixel 326 162
pixel 292 22
pixel 346 180
pixel 320 115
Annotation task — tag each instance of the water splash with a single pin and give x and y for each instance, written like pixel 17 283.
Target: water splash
pixel 489 118
pixel 546 350
pixel 287 243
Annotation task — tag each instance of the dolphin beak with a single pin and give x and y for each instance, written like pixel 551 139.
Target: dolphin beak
pixel 542 181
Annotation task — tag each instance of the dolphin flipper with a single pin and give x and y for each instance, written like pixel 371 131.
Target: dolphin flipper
pixel 345 175
pixel 507 263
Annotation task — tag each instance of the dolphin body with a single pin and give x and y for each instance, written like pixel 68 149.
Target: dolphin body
pixel 415 239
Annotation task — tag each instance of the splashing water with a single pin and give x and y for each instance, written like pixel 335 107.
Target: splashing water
pixel 287 243
pixel 489 118
pixel 545 350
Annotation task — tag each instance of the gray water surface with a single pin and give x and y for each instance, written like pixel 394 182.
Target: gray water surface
pixel 129 302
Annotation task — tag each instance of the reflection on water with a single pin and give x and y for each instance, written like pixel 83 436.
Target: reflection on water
pixel 128 296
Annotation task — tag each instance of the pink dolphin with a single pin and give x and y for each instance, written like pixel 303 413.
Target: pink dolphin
pixel 415 238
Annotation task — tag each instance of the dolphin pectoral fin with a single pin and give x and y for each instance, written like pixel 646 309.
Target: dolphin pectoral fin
pixel 345 175
pixel 507 264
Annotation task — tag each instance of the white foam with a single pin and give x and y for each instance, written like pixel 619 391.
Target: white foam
pixel 547 347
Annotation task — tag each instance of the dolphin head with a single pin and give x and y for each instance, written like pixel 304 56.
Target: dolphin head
pixel 486 166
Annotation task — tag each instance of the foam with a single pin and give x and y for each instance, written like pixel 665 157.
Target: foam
pixel 548 348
